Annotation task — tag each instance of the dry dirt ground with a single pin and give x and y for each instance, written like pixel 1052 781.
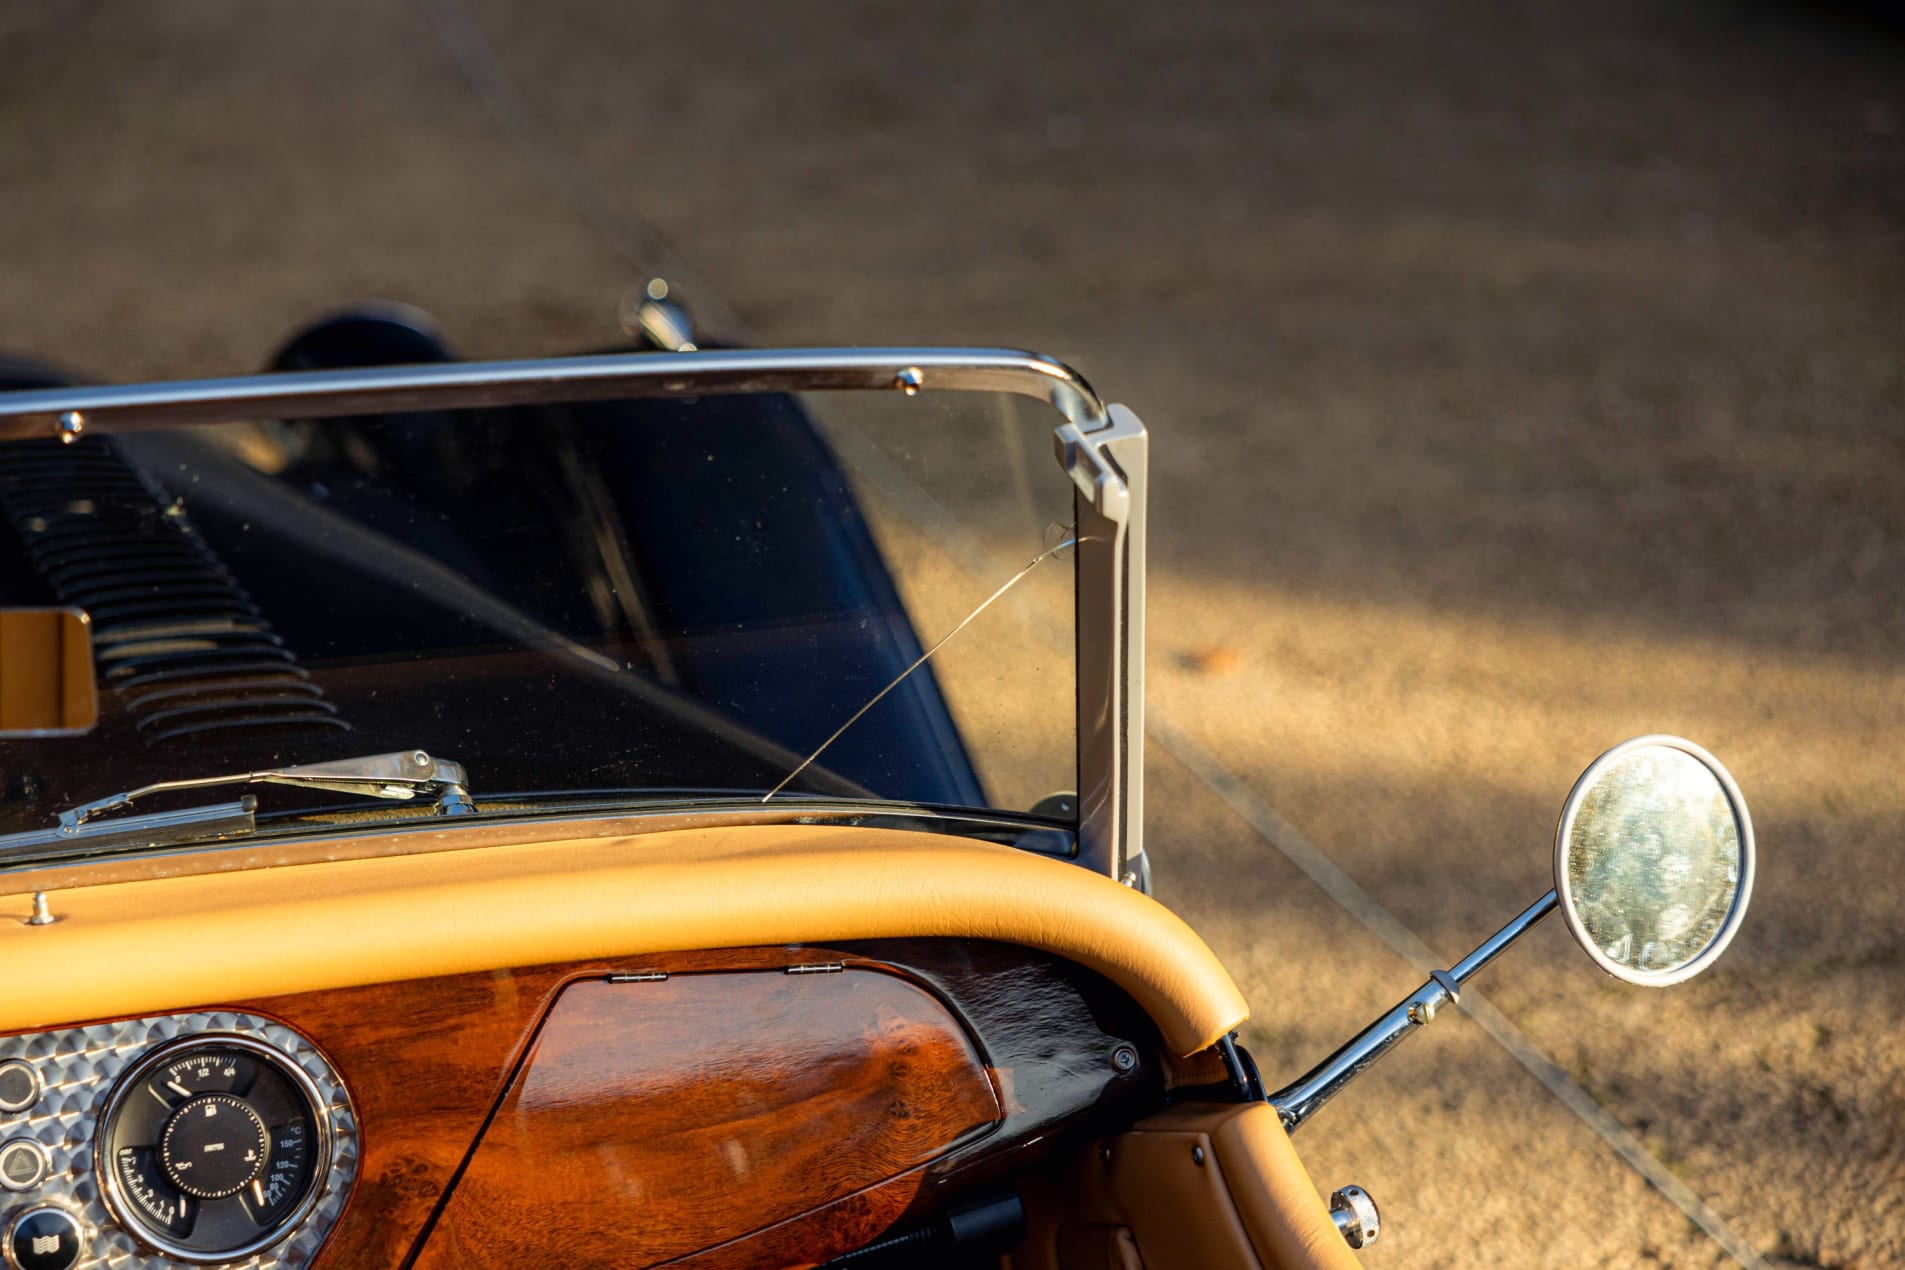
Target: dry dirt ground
pixel 1523 377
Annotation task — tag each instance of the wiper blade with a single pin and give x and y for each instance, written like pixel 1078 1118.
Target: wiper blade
pixel 404 775
pixel 156 829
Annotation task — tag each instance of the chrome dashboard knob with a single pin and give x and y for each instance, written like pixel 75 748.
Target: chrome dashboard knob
pixel 1355 1215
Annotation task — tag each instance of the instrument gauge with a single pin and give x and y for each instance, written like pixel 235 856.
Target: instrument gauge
pixel 212 1148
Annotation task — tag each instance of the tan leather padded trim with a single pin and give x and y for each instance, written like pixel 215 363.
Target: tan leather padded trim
pixel 1180 1210
pixel 177 943
pixel 1245 1202
pixel 1288 1221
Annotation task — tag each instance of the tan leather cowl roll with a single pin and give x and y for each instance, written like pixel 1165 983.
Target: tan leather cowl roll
pixel 176 943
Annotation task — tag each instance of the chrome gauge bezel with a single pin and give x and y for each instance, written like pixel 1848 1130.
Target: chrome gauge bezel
pixel 129 1080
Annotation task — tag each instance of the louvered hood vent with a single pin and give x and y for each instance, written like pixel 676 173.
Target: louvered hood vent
pixel 175 637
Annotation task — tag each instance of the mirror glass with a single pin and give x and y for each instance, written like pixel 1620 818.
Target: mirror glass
pixel 47 682
pixel 1654 860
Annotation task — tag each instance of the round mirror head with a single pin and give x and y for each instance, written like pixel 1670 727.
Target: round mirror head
pixel 1653 860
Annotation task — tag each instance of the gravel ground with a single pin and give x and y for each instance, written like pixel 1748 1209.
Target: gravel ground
pixel 1523 378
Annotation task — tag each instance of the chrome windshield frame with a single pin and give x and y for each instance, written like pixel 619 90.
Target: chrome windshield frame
pixel 1102 448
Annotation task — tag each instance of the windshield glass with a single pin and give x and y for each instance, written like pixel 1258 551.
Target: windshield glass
pixel 673 599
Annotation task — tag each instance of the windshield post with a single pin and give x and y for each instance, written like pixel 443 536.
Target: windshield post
pixel 1107 464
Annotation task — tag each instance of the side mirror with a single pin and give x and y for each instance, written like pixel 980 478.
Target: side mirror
pixel 1653 860
pixel 1653 867
pixel 48 686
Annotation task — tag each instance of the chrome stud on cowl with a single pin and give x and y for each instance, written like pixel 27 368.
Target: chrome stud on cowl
pixel 1355 1215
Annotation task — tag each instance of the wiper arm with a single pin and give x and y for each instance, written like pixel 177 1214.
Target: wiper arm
pixel 400 777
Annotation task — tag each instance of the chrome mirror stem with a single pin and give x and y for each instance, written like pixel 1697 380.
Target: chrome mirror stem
pixel 1296 1103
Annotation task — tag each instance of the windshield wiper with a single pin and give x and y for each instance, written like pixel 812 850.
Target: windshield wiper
pixel 401 776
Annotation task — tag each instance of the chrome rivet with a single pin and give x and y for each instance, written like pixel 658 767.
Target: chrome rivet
pixel 1197 1156
pixel 910 381
pixel 42 915
pixel 1124 1059
pixel 70 425
pixel 1104 1153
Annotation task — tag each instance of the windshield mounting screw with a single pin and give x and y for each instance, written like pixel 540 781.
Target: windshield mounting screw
pixel 910 381
pixel 1124 1059
pixel 71 424
pixel 42 915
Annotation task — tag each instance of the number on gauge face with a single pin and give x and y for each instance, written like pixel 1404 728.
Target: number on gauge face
pixel 211 1147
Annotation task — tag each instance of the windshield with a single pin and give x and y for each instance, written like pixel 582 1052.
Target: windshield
pixel 672 598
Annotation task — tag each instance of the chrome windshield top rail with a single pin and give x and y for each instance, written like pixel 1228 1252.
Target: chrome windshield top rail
pixel 382 389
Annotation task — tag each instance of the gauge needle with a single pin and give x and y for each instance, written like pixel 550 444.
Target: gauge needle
pixel 258 1191
pixel 178 1089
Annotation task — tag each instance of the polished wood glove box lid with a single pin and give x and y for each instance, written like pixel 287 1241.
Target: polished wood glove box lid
pixel 652 1119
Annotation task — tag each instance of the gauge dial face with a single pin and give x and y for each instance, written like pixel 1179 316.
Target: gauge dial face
pixel 211 1148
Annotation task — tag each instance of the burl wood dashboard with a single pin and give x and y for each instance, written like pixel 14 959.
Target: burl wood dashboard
pixel 750 1107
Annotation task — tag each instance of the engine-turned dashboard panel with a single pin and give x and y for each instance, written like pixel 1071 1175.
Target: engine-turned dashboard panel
pixel 203 1138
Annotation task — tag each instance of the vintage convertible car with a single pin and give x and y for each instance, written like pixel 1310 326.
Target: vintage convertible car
pixel 511 814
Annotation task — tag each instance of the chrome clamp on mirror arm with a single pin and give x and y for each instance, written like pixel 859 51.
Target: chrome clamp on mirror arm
pixel 1297 1102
